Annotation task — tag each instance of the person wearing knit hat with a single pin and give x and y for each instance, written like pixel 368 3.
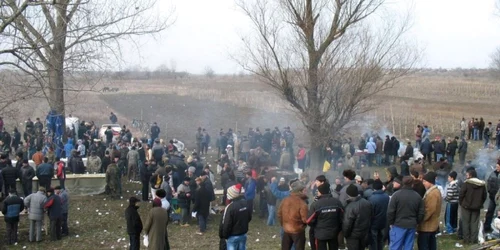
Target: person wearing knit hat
pixel 324 218
pixel 292 215
pixel 234 223
pixel 155 226
pixel 234 192
pixel 432 202
pixel 379 201
pixel 357 218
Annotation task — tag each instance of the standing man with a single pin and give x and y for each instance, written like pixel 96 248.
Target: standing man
pixel 462 151
pixel 199 138
pixel 292 215
pixel 357 217
pixel 471 200
pixel 63 195
pixel 155 131
pixel 325 217
pixel 132 159
pixel 9 174
pixel 34 203
pixel 134 223
pixel 451 150
pixel 463 127
pixel 380 202
pixel 493 184
pixel 113 118
pixel 27 174
pixel 184 200
pixel 301 156
pixel 12 207
pixel 234 225
pixel 44 173
pixel 487 135
pixel 250 190
pixel 54 208
pixel 430 224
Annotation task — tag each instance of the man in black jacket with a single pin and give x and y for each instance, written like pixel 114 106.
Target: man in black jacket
pixel 325 216
pixel 9 174
pixel 12 206
pixel 357 218
pixel 234 224
pixel 405 212
pixel 451 150
pixel 387 150
pixel 134 223
pixel 493 184
pixel 54 207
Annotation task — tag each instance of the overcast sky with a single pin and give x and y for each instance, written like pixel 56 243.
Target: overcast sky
pixel 453 33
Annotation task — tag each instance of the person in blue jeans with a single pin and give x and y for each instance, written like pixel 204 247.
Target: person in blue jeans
pixel 452 195
pixel 234 225
pixel 271 205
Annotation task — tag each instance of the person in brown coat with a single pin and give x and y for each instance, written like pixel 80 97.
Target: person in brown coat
pixel 156 227
pixel 432 203
pixel 292 215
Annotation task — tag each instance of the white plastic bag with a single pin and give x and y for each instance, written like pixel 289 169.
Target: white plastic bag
pixel 193 214
pixel 480 237
pixel 145 241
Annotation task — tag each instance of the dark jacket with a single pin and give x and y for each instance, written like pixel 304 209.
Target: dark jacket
pixel 235 219
pixel 438 147
pixel 406 209
pixel 210 188
pixel 409 151
pixel 405 169
pixel 426 147
pixel 183 198
pixel 493 183
pixel 270 198
pixel 380 202
pixel 472 194
pixel 202 201
pixel 10 174
pixel 53 205
pixel 387 146
pixel 12 206
pixel 357 218
pixel 452 148
pixel 462 147
pixel 45 169
pixel 134 222
pixel 325 216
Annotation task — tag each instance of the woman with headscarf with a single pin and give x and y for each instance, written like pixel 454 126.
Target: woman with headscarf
pixel 156 227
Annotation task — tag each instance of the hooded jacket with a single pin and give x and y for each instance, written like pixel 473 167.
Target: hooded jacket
pixel 472 194
pixel 69 147
pixel 371 146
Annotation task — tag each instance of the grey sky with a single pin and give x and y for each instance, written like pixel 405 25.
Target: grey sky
pixel 453 33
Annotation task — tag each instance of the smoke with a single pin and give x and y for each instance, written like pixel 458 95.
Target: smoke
pixel 486 159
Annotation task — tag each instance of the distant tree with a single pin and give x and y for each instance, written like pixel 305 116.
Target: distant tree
pixel 326 58
pixel 209 72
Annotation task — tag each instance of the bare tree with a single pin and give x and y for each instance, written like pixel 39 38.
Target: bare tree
pixel 326 58
pixel 209 72
pixel 59 46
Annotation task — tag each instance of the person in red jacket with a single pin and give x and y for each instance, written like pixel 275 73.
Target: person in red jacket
pixel 301 157
pixel 60 172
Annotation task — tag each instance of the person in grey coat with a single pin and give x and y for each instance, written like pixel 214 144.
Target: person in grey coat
pixel 349 178
pixel 34 203
pixel 63 194
pixel 132 159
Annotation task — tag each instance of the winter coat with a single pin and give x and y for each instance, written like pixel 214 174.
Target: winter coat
pixel 493 184
pixel 325 216
pixel 371 146
pixel 156 228
pixel 61 172
pixel 387 146
pixel 380 144
pixel 343 192
pixel 202 201
pixel 472 194
pixel 235 219
pixel 45 169
pixel 380 202
pixel 250 189
pixel 134 222
pixel 182 196
pixel 418 187
pixel 432 203
pixel 68 147
pixel 27 174
pixel 64 201
pixel 54 207
pixel 76 165
pixel 94 164
pixel 426 147
pixel 438 147
pixel 406 209
pixel 270 198
pixel 395 146
pixel 292 213
pixel 12 206
pixel 357 218
pixel 9 174
pixel 132 157
pixel 285 160
pixel 409 151
pixel 452 147
pixel 405 169
pixel 462 147
pixel 34 202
